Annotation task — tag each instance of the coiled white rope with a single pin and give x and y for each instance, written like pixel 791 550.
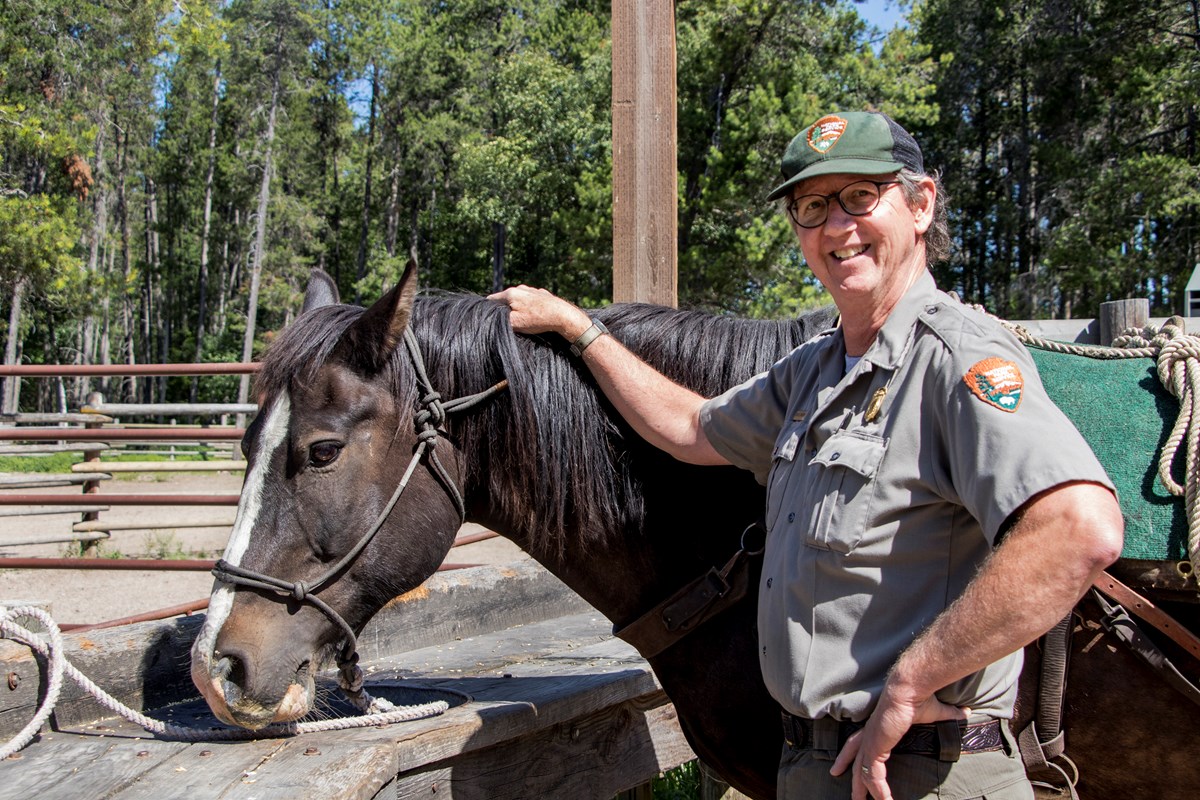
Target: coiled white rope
pixel 1177 356
pixel 382 712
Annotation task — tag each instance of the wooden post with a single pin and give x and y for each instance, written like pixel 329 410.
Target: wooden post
pixel 89 547
pixel 645 194
pixel 1118 315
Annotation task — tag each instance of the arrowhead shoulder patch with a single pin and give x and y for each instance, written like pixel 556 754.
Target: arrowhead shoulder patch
pixel 996 382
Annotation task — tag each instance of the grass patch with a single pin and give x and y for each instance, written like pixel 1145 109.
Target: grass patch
pixel 53 462
pixel 165 546
pixel 61 462
pixel 681 783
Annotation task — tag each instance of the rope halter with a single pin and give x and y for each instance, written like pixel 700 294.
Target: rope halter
pixel 429 421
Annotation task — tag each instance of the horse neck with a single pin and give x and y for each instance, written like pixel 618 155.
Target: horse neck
pixel 649 523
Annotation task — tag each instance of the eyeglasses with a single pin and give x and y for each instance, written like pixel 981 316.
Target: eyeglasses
pixel 858 199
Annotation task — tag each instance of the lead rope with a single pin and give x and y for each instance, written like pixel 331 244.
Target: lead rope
pixel 51 647
pixel 429 419
pixel 1177 356
pixel 375 710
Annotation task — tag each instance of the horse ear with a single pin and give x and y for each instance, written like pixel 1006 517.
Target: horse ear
pixel 373 337
pixel 321 291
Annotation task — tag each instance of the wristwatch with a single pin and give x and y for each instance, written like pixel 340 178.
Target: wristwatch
pixel 593 333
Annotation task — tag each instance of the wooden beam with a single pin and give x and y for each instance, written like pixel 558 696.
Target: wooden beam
pixel 645 195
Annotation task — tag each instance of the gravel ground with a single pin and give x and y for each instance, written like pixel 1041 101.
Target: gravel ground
pixel 90 596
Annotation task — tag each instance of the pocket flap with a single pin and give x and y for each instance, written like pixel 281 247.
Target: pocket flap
pixel 854 450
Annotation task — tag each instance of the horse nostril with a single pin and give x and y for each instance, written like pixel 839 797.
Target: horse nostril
pixel 230 670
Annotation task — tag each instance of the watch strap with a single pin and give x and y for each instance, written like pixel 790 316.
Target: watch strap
pixel 594 332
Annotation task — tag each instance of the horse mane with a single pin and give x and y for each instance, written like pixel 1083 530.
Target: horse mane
pixel 553 428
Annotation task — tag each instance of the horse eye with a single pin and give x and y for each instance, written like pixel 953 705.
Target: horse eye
pixel 322 454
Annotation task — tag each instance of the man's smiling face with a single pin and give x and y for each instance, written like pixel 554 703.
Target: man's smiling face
pixel 866 262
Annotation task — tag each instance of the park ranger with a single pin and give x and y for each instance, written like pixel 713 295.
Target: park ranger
pixel 929 510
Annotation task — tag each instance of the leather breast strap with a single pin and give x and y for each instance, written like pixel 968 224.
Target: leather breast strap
pixel 694 604
pixel 1139 606
pixel 1043 741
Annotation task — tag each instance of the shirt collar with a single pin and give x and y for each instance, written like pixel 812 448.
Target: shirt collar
pixel 892 341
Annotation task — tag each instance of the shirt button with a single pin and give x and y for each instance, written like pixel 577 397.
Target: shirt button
pixel 835 456
pixel 931 310
pixel 769 582
pixel 792 516
pixel 764 650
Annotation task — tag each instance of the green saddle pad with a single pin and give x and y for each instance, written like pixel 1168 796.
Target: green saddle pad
pixel 1126 415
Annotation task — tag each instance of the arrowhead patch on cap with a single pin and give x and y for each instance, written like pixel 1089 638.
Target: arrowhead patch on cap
pixel 825 132
pixel 996 382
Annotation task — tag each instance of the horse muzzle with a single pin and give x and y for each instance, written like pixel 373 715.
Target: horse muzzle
pixel 227 685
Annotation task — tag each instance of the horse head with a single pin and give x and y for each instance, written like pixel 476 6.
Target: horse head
pixel 315 550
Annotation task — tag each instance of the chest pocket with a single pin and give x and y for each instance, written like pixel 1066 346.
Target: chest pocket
pixel 844 470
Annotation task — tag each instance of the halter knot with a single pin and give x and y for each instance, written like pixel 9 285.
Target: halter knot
pixel 434 408
pixel 428 421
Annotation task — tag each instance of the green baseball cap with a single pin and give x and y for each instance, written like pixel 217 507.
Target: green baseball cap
pixel 855 142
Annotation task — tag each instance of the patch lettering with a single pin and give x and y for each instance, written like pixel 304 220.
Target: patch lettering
pixel 825 132
pixel 996 382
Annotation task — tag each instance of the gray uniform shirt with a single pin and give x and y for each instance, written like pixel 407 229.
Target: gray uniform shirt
pixel 886 489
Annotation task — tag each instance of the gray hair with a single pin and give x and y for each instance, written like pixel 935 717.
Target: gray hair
pixel 937 236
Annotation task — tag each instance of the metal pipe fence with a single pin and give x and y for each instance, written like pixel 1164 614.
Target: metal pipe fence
pixel 100 429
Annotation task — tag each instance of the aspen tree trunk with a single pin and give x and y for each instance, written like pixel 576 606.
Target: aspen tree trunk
pixel 127 321
pixel 393 211
pixel 366 209
pixel 206 228
pixel 87 350
pixel 152 300
pixel 12 384
pixel 260 233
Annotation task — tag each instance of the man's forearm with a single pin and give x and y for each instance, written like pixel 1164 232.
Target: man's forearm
pixel 664 413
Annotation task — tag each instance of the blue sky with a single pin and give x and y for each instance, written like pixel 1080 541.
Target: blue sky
pixel 884 14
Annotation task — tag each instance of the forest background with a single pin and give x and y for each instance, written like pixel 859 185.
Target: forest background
pixel 170 170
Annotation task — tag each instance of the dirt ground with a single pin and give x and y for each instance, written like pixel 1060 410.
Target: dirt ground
pixel 91 596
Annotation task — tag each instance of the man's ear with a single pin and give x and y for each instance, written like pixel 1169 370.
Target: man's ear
pixel 925 205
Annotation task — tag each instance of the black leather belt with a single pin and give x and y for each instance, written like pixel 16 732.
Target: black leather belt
pixel 945 740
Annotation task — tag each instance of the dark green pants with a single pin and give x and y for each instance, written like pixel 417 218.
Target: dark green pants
pixel 804 775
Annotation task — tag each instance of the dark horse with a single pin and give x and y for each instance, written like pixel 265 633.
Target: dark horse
pixel 547 463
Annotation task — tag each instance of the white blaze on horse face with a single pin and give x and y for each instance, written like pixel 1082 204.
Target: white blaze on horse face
pixel 274 434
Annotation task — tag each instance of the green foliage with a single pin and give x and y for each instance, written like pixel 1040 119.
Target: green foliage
pixel 164 545
pixel 51 463
pixel 477 136
pixel 751 75
pixel 1071 161
pixel 37 243
pixel 681 783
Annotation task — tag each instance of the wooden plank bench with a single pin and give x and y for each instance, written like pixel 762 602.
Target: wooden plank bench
pixel 559 708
